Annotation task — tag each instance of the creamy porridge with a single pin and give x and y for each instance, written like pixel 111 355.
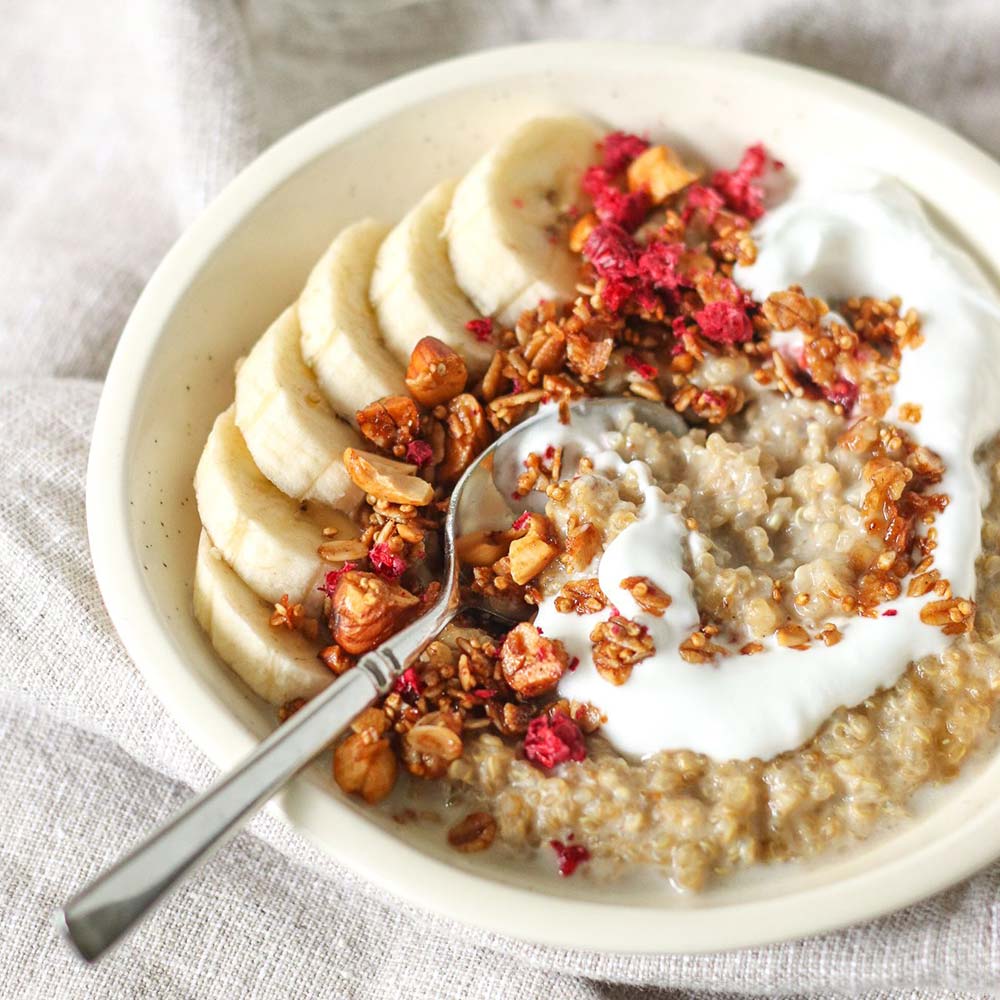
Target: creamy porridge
pixel 757 622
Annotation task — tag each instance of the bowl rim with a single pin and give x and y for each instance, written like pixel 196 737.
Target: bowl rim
pixel 398 867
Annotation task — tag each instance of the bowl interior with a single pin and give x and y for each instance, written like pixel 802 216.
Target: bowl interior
pixel 248 257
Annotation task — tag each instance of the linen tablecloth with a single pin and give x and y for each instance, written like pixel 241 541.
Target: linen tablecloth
pixel 118 122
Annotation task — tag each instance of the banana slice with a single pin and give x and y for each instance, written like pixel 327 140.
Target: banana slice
pixel 341 340
pixel 295 439
pixel 275 663
pixel 414 289
pixel 268 538
pixel 500 229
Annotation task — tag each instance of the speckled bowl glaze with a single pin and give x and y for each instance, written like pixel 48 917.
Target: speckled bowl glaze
pixel 247 257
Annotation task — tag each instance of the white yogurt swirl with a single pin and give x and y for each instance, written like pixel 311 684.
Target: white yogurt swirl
pixel 859 234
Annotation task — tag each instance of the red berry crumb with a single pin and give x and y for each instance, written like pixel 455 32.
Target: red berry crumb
pixel 890 613
pixel 699 196
pixel 724 323
pixel 484 693
pixel 573 664
pixel 521 522
pixel 552 741
pixel 333 578
pixel 408 685
pixel 737 187
pixel 619 149
pixel 385 562
pixel 842 393
pixel 643 369
pixel 419 452
pixel 481 329
pixel 570 856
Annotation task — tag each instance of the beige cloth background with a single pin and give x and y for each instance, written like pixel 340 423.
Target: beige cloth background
pixel 118 122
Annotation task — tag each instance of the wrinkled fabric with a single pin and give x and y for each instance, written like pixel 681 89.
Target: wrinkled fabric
pixel 119 121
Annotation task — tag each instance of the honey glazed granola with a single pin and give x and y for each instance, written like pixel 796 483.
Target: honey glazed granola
pixel 794 392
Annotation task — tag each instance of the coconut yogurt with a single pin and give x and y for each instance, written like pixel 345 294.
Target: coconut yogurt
pixel 835 237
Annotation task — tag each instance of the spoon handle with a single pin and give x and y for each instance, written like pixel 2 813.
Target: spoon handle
pixel 103 911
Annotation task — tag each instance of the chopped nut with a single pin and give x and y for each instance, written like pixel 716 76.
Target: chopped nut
pixel 389 423
pixel 790 309
pixel 336 659
pixel 582 228
pixel 953 615
pixel 468 435
pixel 532 664
pixel 794 636
pixel 386 479
pixel 432 744
pixel 343 550
pixel 583 597
pixel 531 553
pixel 660 172
pixel 436 373
pixel 368 609
pixel 474 833
pixel 618 645
pixel 581 545
pixel 647 595
pixel 365 768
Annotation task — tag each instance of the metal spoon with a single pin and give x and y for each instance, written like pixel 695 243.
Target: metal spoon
pixel 97 916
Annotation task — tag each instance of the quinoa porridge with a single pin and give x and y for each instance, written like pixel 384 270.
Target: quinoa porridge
pixel 758 602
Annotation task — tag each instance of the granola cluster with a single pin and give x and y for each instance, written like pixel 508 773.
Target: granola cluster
pixel 657 316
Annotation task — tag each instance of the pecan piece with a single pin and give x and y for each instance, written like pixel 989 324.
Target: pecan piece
pixel 647 595
pixel 584 597
pixel 367 609
pixel 468 434
pixel 618 645
pixel 792 308
pixel 474 833
pixel 436 373
pixel 532 664
pixel 390 423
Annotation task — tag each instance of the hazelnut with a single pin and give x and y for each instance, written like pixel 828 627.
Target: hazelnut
pixel 367 610
pixel 436 373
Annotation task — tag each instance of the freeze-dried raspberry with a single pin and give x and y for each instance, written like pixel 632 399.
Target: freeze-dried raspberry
pixel 699 196
pixel 552 741
pixel 481 329
pixel 570 856
pixel 522 521
pixel 619 149
pixel 724 323
pixel 385 562
pixel 419 452
pixel 333 578
pixel 408 685
pixel 624 208
pixel 842 392
pixel 642 368
pixel 737 187
pixel 658 264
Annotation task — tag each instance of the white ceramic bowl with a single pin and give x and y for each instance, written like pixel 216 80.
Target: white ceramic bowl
pixel 246 258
